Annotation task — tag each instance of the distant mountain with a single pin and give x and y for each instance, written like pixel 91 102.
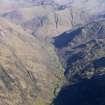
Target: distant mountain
pixel 28 2
pixel 47 19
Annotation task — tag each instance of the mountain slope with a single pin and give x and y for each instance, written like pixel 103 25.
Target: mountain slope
pixel 29 74
pixel 82 51
pixel 51 19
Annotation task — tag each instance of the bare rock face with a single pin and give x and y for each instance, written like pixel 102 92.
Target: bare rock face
pixel 29 75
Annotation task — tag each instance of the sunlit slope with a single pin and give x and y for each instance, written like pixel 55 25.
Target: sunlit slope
pixel 29 75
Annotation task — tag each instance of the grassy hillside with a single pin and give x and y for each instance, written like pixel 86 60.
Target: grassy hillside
pixel 28 75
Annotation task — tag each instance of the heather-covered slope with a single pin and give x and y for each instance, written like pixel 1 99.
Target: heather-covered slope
pixel 29 72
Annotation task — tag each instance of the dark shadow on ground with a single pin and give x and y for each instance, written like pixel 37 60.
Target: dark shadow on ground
pixel 64 39
pixel 87 92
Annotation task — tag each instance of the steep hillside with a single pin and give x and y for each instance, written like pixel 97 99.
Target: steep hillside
pixel 29 72
pixel 82 51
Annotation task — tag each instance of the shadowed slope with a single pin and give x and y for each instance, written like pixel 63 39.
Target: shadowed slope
pixel 87 92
